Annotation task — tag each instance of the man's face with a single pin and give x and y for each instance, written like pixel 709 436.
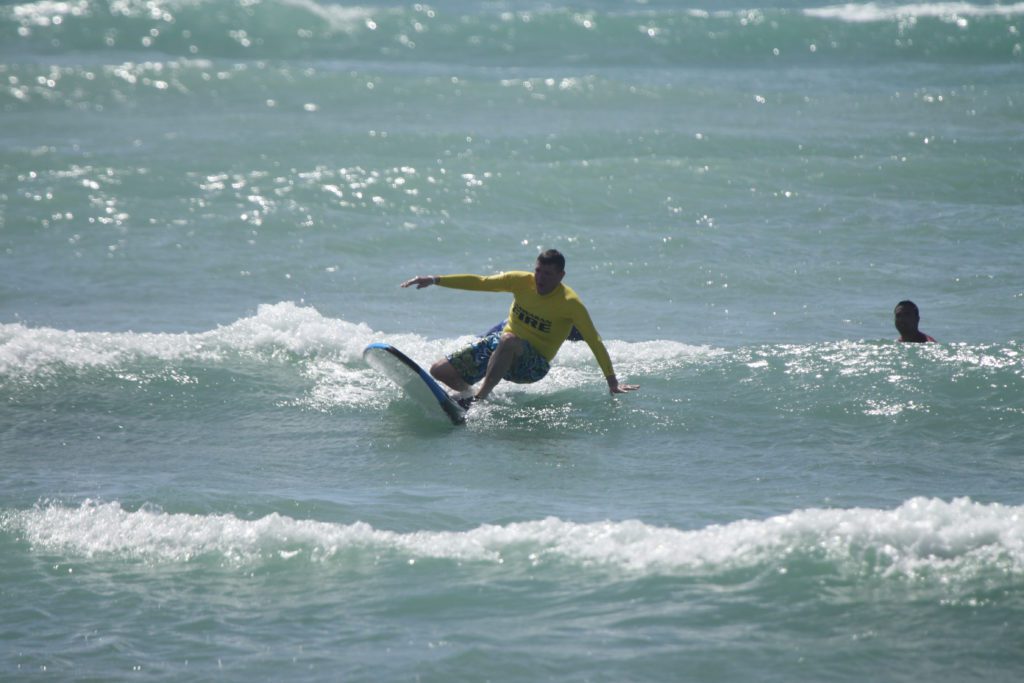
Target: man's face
pixel 547 277
pixel 906 319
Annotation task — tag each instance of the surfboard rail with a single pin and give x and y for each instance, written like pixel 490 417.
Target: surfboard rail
pixel 413 380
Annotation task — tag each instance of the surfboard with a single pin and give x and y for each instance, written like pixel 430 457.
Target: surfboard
pixel 413 380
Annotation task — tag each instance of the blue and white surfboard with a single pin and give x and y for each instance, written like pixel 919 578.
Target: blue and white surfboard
pixel 413 380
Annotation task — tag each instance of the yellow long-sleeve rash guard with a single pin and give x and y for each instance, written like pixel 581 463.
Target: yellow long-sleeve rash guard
pixel 542 320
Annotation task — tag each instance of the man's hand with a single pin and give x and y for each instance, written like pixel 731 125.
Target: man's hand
pixel 616 388
pixel 421 281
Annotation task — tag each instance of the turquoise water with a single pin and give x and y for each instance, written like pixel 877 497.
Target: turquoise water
pixel 206 208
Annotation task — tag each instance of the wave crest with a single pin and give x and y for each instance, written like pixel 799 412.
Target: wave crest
pixel 924 538
pixel 282 327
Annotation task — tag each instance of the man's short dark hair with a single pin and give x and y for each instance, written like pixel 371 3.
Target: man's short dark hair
pixel 910 306
pixel 552 257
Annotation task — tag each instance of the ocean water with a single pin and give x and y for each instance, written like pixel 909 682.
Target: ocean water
pixel 207 206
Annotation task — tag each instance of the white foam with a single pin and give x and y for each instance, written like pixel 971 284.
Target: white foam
pixel 325 351
pixel 922 537
pixel 281 327
pixel 284 326
pixel 950 12
pixel 576 366
pixel 341 18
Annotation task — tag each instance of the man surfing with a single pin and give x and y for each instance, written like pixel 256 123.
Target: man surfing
pixel 541 316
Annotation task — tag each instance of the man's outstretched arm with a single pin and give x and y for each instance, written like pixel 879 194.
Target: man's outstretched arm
pixel 502 282
pixel 593 339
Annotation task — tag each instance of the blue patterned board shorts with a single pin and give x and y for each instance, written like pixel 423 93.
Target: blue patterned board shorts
pixel 471 362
